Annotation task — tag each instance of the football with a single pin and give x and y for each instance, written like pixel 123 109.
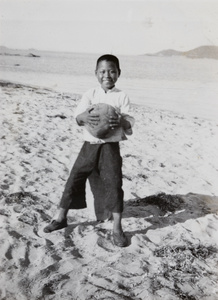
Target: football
pixel 103 129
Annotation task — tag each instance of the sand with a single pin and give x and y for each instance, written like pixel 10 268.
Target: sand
pixel 170 171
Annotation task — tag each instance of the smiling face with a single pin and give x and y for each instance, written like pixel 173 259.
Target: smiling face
pixel 107 74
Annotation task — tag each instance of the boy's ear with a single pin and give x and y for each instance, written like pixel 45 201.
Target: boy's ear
pixel 119 72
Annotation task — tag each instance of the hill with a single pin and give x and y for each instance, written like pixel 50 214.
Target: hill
pixel 200 52
pixel 168 52
pixel 203 52
pixel 18 52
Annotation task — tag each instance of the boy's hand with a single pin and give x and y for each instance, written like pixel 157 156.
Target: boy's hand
pixel 119 121
pixel 115 121
pixel 87 118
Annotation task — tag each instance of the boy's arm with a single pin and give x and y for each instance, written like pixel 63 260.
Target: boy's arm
pixel 82 114
pixel 131 121
pixel 82 118
pixel 87 118
pixel 122 120
pixel 125 123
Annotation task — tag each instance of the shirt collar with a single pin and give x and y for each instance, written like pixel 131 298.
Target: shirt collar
pixel 109 91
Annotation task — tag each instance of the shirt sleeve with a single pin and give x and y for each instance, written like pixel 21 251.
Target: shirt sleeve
pixel 84 103
pixel 124 110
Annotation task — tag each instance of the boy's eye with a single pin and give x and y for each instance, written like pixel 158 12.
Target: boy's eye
pixel 111 71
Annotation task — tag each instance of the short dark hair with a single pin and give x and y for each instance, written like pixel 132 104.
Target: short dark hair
pixel 109 57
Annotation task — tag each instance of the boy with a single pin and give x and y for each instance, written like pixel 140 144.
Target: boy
pixel 99 155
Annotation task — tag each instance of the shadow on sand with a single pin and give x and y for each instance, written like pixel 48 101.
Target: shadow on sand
pixel 164 210
pixel 160 211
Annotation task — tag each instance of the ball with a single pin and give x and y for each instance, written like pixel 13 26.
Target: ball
pixel 103 129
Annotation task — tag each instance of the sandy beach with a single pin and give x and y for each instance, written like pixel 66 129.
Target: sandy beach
pixel 170 171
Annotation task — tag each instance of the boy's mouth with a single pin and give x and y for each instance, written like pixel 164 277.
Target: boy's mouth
pixel 108 81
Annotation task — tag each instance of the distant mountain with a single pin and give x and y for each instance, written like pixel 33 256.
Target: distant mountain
pixel 203 52
pixel 18 52
pixel 200 52
pixel 169 52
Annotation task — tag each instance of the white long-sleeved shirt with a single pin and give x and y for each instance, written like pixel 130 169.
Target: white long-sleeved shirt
pixel 114 97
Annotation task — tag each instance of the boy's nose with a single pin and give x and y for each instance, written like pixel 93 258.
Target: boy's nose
pixel 107 74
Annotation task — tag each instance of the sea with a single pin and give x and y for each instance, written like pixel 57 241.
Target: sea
pixel 179 84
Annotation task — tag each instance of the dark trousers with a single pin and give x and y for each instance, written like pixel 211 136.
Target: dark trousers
pixel 103 164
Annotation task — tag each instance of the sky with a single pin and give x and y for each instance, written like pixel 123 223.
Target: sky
pixel 108 26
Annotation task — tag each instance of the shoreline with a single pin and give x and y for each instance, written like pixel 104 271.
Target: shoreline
pixel 176 84
pixel 190 108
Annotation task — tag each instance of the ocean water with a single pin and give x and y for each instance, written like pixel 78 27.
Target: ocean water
pixel 178 84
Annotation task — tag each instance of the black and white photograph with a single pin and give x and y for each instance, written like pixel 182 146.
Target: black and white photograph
pixel 108 150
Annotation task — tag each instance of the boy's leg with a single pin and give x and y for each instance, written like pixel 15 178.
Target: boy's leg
pixel 119 237
pixel 62 214
pixel 117 226
pixel 74 193
pixel 110 168
pixel 98 191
